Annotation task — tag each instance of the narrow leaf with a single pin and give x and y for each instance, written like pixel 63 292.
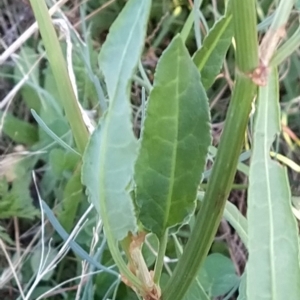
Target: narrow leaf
pixel 209 58
pixel 72 196
pixel 237 221
pixel 109 158
pixel 175 142
pixel 52 134
pixel 273 266
pixel 71 243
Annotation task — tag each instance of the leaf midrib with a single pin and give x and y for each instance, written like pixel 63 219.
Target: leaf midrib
pixel 266 160
pixel 174 154
pixel 128 41
pixel 108 118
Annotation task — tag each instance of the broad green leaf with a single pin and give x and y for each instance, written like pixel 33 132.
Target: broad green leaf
pixel 219 272
pixel 15 199
pixel 209 58
pixel 174 144
pixel 18 130
pixel 216 278
pixel 273 266
pixel 112 150
pixel 62 163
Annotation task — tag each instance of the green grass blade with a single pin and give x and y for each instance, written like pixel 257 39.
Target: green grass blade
pixel 72 244
pixel 175 142
pixel 237 221
pixel 52 134
pixel 112 150
pixel 209 58
pixel 60 72
pixel 273 266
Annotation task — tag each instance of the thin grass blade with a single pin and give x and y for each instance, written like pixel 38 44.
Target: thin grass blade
pixel 59 69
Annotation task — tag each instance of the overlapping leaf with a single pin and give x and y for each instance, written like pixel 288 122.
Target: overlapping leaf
pixel 111 153
pixel 175 142
pixel 209 58
pixel 273 267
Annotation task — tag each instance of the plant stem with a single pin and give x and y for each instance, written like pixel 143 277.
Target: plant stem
pixel 160 257
pixel 60 72
pixel 219 185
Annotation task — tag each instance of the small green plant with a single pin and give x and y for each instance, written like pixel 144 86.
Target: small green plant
pixel 145 189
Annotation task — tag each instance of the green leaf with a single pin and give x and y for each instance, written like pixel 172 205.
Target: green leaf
pixel 19 131
pixel 49 256
pixel 26 59
pixel 72 197
pixel 209 58
pixel 151 245
pixel 15 200
pixel 273 265
pixel 216 278
pixel 242 287
pixel 237 221
pixel 49 132
pixel 218 275
pixel 196 291
pixel 112 150
pixel 5 236
pixel 62 162
pixel 174 144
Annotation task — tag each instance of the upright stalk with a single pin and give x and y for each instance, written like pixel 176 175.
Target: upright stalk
pixel 60 73
pixel 219 185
